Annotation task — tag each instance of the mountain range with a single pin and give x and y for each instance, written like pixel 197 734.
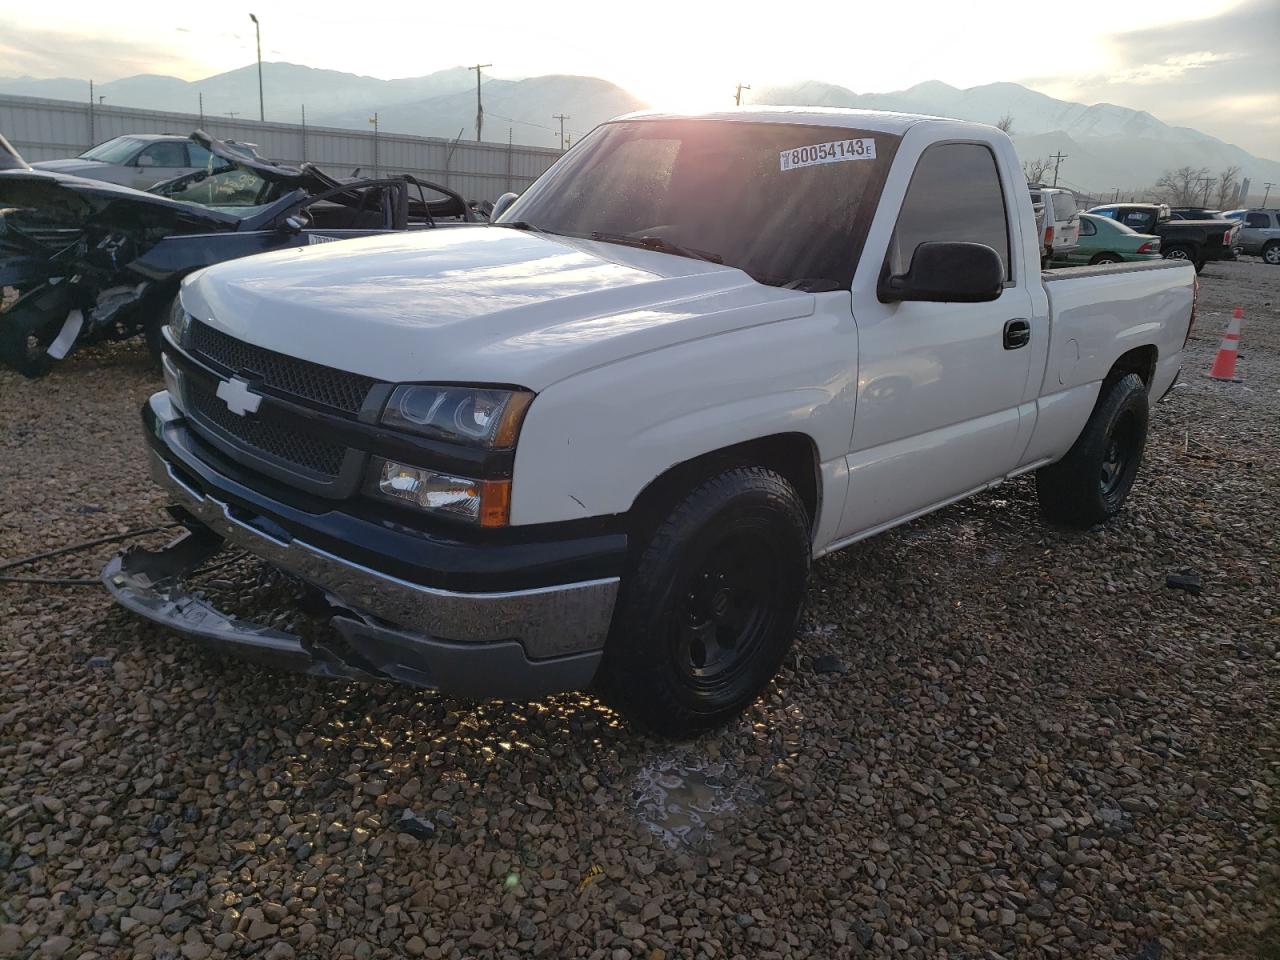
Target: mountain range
pixel 1106 146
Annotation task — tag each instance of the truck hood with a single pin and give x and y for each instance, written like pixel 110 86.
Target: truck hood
pixel 478 304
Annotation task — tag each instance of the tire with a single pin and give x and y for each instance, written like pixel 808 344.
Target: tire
pixel 1271 253
pixel 28 327
pixel 1104 258
pixel 710 605
pixel 1179 251
pixel 1089 485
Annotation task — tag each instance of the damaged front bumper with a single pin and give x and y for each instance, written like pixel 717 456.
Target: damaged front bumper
pixel 513 644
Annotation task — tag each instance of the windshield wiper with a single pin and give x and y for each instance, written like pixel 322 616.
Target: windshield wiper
pixel 657 244
pixel 806 284
pixel 520 225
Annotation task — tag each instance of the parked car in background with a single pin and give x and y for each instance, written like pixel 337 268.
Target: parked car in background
pixel 96 261
pixel 601 440
pixel 1198 241
pixel 140 160
pixel 1058 220
pixel 1194 213
pixel 1106 241
pixel 1259 232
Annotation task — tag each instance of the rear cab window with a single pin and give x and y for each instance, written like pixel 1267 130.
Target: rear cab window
pixel 955 194
pixel 1064 206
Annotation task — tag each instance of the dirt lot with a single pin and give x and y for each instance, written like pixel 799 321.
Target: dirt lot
pixel 1037 748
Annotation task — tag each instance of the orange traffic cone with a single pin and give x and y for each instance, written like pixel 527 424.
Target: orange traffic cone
pixel 1224 364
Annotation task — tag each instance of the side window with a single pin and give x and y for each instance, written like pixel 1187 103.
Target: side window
pixel 166 153
pixel 954 194
pixel 1087 229
pixel 198 156
pixel 1258 220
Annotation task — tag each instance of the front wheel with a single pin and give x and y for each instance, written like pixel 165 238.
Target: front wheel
pixel 710 606
pixel 1090 484
pixel 29 326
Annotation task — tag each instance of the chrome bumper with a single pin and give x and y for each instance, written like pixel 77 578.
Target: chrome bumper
pixel 547 621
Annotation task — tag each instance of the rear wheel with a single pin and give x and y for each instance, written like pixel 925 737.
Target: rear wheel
pixel 1090 484
pixel 710 605
pixel 1271 253
pixel 1105 258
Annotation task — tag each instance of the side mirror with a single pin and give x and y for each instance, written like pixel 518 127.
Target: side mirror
pixel 501 205
pixel 944 271
pixel 145 160
pixel 292 224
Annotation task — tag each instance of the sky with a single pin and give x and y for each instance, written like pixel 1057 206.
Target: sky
pixel 1210 64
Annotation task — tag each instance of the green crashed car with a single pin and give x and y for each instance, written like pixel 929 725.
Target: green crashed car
pixel 1106 241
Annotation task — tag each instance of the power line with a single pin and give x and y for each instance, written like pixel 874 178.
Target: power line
pixel 479 107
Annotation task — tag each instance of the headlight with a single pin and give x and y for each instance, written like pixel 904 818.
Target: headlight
pixel 485 502
pixel 476 416
pixel 179 321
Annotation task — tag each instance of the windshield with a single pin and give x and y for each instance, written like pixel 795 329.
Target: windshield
pixel 231 190
pixel 787 203
pixel 113 151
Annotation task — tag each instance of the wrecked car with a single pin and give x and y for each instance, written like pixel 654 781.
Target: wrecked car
pixel 92 261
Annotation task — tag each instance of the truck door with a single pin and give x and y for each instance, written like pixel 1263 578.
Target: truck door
pixel 939 384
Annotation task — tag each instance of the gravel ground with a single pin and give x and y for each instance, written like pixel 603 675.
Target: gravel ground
pixel 1027 745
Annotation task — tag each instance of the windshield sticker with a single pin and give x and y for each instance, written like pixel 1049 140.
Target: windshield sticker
pixel 837 151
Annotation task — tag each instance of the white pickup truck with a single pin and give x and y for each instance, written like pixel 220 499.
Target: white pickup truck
pixel 598 443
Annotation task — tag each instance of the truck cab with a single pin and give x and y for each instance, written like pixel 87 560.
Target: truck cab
pixel 599 442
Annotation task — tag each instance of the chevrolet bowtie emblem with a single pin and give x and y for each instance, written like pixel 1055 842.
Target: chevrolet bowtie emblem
pixel 235 393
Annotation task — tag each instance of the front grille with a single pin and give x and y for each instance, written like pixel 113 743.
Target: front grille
pixel 301 378
pixel 290 448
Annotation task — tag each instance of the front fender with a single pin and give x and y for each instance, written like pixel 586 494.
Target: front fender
pixel 592 442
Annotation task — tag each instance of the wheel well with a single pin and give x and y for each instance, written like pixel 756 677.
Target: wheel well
pixel 1140 360
pixel 793 455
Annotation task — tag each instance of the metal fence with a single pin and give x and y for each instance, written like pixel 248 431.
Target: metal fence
pixel 51 129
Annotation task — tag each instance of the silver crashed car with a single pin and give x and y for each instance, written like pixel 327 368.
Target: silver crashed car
pixel 140 160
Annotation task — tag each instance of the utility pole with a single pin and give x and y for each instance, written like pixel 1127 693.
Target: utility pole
pixel 737 97
pixel 201 96
pixel 562 118
pixel 1207 181
pixel 1267 193
pixel 510 137
pixel 303 158
pixel 232 114
pixel 1116 198
pixel 479 107
pixel 374 121
pixel 1057 159
pixel 262 114
pixel 91 137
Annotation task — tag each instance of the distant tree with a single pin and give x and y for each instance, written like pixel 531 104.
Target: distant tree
pixel 1034 170
pixel 1181 187
pixel 1005 123
pixel 1228 183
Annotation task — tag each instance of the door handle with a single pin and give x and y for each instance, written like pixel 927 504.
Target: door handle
pixel 1017 333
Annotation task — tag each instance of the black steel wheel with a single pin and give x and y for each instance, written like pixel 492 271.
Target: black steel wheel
pixel 710 604
pixel 1090 484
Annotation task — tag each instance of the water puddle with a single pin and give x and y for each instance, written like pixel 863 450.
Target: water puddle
pixel 677 798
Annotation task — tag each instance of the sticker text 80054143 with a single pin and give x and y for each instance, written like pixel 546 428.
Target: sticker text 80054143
pixel 835 152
